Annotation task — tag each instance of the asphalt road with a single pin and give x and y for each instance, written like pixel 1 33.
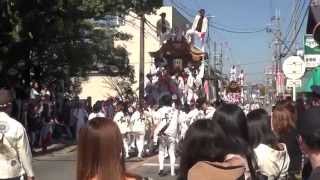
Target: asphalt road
pixel 61 165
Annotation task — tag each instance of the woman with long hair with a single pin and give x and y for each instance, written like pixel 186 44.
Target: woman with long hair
pixel 233 121
pixel 101 152
pixel 272 157
pixel 283 120
pixel 205 153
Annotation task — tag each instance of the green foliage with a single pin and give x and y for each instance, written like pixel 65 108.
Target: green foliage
pixel 57 39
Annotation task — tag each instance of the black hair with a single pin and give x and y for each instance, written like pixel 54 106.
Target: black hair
pixel 307 126
pixel 260 131
pixel 97 107
pixel 233 121
pixel 204 141
pixel 165 100
pixel 200 102
pixel 312 140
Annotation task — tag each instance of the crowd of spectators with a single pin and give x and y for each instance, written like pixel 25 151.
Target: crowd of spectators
pixel 261 145
pixel 221 141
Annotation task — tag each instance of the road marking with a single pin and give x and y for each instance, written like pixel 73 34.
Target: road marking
pixel 156 165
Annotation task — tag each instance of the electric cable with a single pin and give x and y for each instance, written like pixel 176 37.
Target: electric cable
pixel 297 33
pixel 218 27
pixel 291 28
pixel 238 32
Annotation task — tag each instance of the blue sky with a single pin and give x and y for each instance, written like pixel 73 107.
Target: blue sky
pixel 243 15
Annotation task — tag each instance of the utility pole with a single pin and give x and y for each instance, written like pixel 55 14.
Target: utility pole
pixel 215 80
pixel 220 58
pixel 215 55
pixel 141 65
pixel 212 71
pixel 276 46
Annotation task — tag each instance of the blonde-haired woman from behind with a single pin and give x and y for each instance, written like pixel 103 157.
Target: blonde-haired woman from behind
pixel 101 152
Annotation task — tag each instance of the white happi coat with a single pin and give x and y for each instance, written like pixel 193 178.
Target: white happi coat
pixel 96 115
pixel 183 123
pixel 163 35
pixel 122 122
pixel 241 79
pixel 166 115
pixel 209 112
pixel 190 34
pixel 181 84
pixel 15 153
pixel 189 87
pixel 138 123
pixel 204 24
pixel 195 115
pixel 233 74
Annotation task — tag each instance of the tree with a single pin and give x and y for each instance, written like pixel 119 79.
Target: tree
pixel 49 40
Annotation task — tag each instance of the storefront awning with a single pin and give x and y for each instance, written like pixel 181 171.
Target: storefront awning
pixel 311 78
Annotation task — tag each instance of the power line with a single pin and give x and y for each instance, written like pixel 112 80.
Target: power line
pixel 133 24
pixel 253 62
pixel 187 9
pixel 216 25
pixel 182 9
pixel 253 73
pixel 234 28
pixel 297 33
pixel 293 15
pixel 238 32
pixel 289 31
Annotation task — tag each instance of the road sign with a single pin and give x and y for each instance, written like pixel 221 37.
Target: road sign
pixel 294 83
pixel 311 51
pixel 294 67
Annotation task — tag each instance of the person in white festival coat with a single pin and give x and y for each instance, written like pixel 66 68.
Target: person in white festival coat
pixel 81 115
pixel 195 114
pixel 138 129
pixel 96 111
pixel 210 110
pixel 190 87
pixel 241 77
pixel 199 28
pixel 166 133
pixel 15 153
pixel 123 124
pixel 163 29
pixel 233 73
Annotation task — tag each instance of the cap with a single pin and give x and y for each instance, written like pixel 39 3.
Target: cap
pixel 163 14
pixel 202 10
pixel 5 98
pixel 309 121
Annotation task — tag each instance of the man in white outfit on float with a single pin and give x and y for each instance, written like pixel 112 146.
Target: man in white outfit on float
pixel 163 29
pixel 199 29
